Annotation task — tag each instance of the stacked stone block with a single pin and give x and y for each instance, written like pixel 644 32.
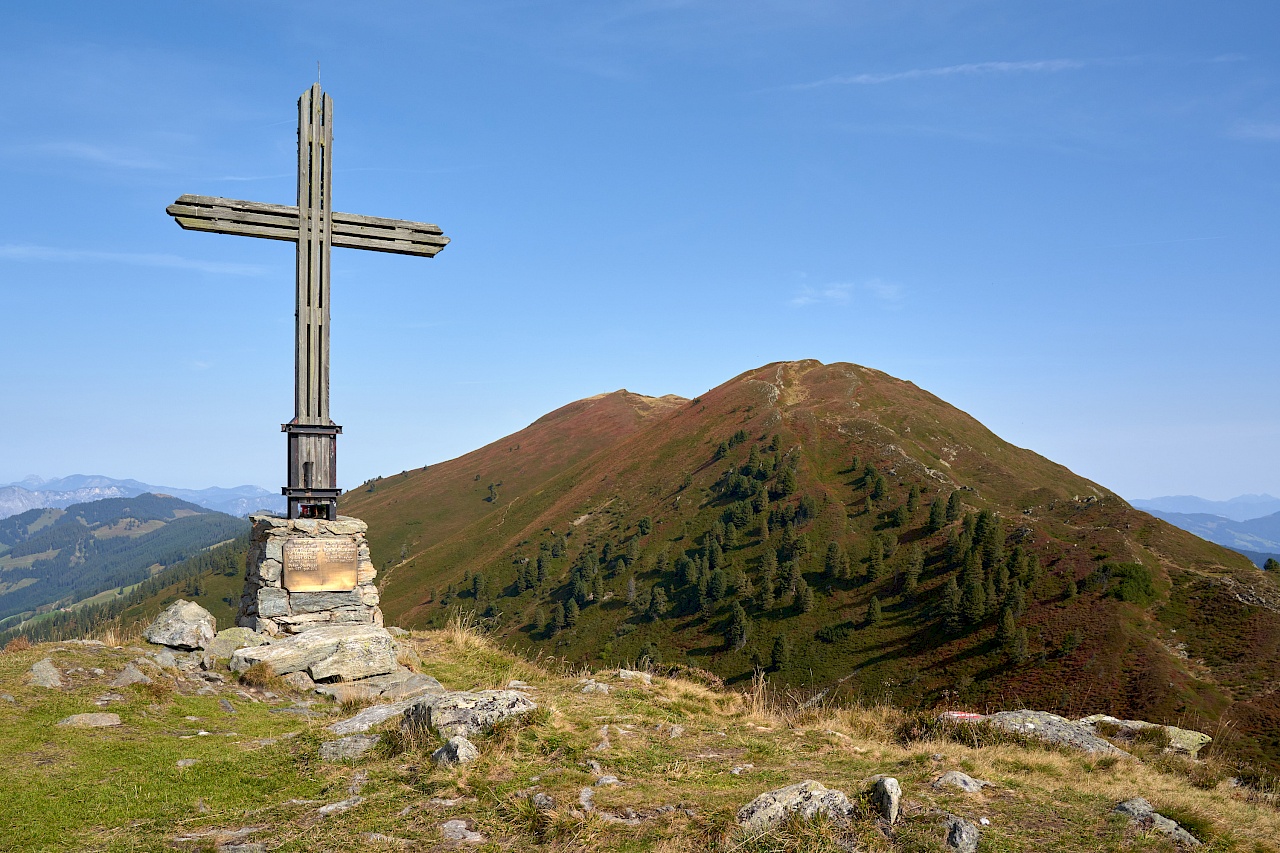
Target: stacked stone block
pixel 269 608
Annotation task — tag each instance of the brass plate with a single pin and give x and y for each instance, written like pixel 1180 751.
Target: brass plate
pixel 320 565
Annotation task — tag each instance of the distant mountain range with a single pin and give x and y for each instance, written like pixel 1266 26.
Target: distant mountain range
pixel 1257 538
pixel 1242 508
pixel 52 557
pixel 38 493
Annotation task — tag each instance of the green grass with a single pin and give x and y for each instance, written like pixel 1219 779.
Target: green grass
pixel 119 789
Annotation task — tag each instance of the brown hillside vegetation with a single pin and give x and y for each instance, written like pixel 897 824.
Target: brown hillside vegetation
pixel 786 520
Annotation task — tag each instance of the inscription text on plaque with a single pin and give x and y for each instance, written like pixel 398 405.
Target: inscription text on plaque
pixel 320 565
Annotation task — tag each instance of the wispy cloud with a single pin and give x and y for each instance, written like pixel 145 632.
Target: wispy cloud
pixel 1268 130
pixel 840 293
pixel 51 253
pixel 97 154
pixel 969 69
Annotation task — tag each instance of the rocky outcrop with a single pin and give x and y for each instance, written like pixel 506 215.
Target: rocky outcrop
pixel 466 713
pixel 1142 814
pixel 807 799
pixel 330 653
pixel 183 625
pixel 1183 741
pixel 1054 729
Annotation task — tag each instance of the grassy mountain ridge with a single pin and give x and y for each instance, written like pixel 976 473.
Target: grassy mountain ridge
pixel 55 557
pixel 1111 609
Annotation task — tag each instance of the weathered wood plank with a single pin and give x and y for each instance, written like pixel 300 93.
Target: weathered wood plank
pixel 217 226
pixel 380 221
pixel 389 246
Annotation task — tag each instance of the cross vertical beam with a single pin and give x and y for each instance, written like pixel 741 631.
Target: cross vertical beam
pixel 313 437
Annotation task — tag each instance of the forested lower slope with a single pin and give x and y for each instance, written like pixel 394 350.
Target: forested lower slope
pixel 54 557
pixel 847 531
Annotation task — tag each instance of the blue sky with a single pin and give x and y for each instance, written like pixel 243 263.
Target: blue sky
pixel 1059 216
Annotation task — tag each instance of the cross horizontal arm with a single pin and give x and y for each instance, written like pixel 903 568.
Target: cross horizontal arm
pixel 280 222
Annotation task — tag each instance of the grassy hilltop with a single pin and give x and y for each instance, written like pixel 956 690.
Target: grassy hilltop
pixel 207 762
pixel 843 530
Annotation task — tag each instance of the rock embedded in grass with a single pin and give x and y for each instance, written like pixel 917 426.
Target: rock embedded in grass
pixel 456 751
pixel 456 830
pixel 183 625
pixel 44 674
pixel 130 675
pixel 466 713
pixel 90 721
pixel 962 836
pixel 1142 814
pixel 963 781
pixel 1185 741
pixel 808 799
pixel 886 796
pixel 348 748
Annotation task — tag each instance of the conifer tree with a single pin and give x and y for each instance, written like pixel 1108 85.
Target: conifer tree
pixel 833 567
pixel 937 514
pixel 951 604
pixel 1072 590
pixel 539 621
pixel 874 612
pixel 875 561
pixel 557 616
pixel 542 569
pixel 657 604
pixel 911 577
pixel 631 590
pixel 989 595
pixel 718 586
pixel 974 602
pixel 1007 632
pixel 804 596
pixel 913 499
pixel 780 656
pixel 597 588
pixel 1271 565
pixel 954 506
pixel 768 582
pixel 571 611
pixel 739 627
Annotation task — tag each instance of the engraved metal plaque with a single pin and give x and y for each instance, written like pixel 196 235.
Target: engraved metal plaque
pixel 320 565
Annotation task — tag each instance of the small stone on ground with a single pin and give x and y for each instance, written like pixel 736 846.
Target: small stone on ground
pixel 962 836
pixel 348 748
pixel 90 721
pixel 45 674
pixel 456 830
pixel 963 781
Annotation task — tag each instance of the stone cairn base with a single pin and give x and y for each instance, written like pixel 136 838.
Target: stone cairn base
pixel 268 607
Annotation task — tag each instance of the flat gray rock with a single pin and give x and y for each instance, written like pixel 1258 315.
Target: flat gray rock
pixel 337 652
pixel 807 799
pixel 90 721
pixel 1141 813
pixel 456 830
pixel 230 640
pixel 370 717
pixel 340 806
pixel 457 750
pixel 45 674
pixel 963 781
pixel 466 713
pixel 348 748
pixel 130 675
pixel 1054 729
pixel 183 625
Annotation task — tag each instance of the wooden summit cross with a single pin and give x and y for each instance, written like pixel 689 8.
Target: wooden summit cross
pixel 313 450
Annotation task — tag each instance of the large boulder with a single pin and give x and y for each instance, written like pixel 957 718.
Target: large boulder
pixel 807 799
pixel 1184 741
pixel 1054 729
pixel 466 713
pixel 328 653
pixel 183 625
